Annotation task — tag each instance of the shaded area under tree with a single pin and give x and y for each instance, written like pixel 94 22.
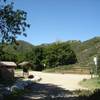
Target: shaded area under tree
pixel 53 92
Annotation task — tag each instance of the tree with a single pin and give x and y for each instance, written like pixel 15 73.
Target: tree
pixel 38 58
pixel 12 23
pixel 59 54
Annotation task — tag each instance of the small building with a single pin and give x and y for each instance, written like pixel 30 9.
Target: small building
pixel 25 66
pixel 7 70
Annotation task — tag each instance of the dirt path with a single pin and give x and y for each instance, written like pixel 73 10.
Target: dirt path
pixel 54 86
pixel 66 81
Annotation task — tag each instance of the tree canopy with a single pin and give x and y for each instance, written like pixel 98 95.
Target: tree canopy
pixel 12 23
pixel 50 55
pixel 59 54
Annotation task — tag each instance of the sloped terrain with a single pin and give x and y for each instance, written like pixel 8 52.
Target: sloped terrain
pixel 85 51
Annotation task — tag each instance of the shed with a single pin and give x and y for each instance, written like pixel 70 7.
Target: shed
pixel 7 70
pixel 25 64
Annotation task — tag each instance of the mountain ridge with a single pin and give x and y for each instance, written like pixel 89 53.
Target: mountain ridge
pixel 85 51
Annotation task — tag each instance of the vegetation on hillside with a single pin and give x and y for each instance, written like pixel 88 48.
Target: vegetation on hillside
pixel 85 51
pixel 41 57
pixel 53 55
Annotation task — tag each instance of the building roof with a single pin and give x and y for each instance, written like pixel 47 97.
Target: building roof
pixel 7 63
pixel 23 63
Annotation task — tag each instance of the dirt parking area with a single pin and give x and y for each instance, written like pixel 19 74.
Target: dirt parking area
pixel 65 81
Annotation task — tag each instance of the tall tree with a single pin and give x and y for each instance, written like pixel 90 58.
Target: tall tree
pixel 59 54
pixel 12 23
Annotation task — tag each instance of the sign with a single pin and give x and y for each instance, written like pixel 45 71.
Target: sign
pixel 95 60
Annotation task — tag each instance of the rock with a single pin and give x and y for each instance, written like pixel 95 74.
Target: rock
pixel 30 76
pixel 16 87
pixel 22 84
pixel 29 82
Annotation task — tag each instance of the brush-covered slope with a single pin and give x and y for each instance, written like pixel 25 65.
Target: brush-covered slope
pixel 86 50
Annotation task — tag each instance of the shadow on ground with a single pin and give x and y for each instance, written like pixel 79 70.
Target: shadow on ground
pixel 53 92
pixel 48 92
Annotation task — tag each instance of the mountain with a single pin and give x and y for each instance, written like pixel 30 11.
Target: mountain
pixel 85 51
pixel 21 47
pixel 24 46
pixel 17 52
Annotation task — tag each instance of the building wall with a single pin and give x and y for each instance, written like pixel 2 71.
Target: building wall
pixel 7 73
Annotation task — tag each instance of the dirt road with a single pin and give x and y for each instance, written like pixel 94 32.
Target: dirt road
pixel 66 81
pixel 54 86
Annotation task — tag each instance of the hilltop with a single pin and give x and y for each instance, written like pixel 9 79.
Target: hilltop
pixel 85 51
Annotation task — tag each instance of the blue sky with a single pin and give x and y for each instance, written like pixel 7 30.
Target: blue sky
pixel 53 20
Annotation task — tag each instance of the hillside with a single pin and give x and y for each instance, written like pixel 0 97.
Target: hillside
pixel 24 46
pixel 85 51
pixel 17 52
